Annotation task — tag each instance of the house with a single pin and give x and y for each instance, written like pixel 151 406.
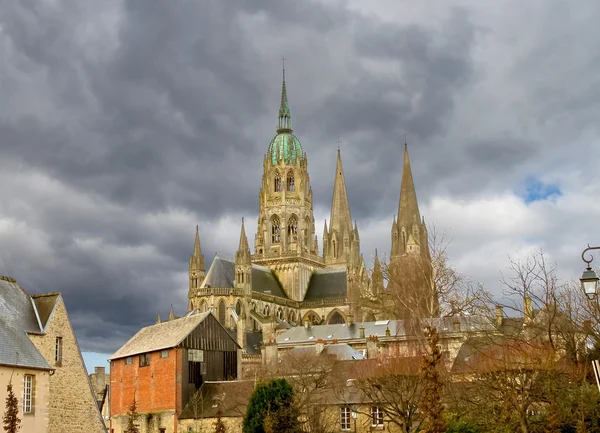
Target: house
pixel 40 355
pixel 163 365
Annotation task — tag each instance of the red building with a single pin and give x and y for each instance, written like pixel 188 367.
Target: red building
pixel 163 365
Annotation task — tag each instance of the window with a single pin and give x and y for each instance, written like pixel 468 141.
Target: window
pixel 164 354
pixel 293 229
pixel 58 351
pixel 290 181
pixel 162 429
pixel 222 313
pixel 376 416
pixel 144 359
pixel 275 229
pixel 129 360
pixel 345 418
pixel 278 183
pixel 28 393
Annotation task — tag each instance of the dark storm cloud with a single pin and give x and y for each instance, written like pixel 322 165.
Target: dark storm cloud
pixel 125 123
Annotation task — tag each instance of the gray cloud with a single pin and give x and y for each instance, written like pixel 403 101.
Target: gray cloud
pixel 123 124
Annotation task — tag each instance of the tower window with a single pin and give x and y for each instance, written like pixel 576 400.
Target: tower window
pixel 290 181
pixel 293 229
pixel 222 313
pixel 278 183
pixel 275 230
pixel 58 351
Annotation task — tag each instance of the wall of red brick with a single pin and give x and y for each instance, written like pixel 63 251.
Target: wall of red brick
pixel 154 386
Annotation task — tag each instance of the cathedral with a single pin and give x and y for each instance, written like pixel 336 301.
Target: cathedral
pixel 287 280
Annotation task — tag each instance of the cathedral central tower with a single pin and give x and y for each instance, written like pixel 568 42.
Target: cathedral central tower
pixel 285 239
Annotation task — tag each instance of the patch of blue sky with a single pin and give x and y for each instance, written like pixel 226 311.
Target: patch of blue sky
pixel 535 190
pixel 93 359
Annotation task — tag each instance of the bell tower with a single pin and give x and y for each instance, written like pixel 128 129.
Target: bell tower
pixel 285 238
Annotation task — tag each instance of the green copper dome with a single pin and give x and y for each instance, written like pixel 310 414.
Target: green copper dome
pixel 285 146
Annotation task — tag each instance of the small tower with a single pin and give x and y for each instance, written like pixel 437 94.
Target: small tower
pixel 376 277
pixel 342 240
pixel 243 264
pixel 196 271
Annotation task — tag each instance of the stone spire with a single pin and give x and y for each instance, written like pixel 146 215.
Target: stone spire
pixel 285 118
pixel 340 219
pixel 171 313
pixel 408 208
pixel 342 235
pixel 196 271
pixel 242 256
pixel 377 276
pixel 158 318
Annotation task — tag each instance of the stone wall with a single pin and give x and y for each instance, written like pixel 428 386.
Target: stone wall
pixel 37 421
pixel 99 380
pixel 72 406
pixel 232 425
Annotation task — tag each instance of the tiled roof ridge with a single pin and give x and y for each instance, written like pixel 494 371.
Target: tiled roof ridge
pixel 223 257
pixel 9 279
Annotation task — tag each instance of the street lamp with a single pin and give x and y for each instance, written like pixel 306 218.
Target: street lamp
pixel 354 416
pixel 589 279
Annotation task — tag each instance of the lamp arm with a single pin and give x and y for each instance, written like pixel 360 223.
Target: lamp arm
pixel 589 248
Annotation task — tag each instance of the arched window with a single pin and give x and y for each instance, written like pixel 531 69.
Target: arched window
pixel 280 314
pixel 275 229
pixel 238 308
pixel 278 183
pixel 290 186
pixel 336 318
pixel 293 229
pixel 203 307
pixel 266 311
pixel 333 248
pixel 222 312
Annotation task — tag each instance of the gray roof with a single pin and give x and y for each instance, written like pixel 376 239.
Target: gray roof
pixel 341 351
pixel 161 336
pixel 326 284
pixel 230 396
pixel 343 332
pixel 17 318
pixel 221 274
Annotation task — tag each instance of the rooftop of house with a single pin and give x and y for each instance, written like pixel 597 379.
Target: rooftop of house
pixel 160 336
pixel 230 396
pixel 20 315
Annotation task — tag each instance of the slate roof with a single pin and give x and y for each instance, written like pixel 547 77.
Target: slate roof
pixel 253 340
pixel 17 318
pixel 326 284
pixel 341 351
pixel 343 332
pixel 160 336
pixel 221 274
pixel 231 396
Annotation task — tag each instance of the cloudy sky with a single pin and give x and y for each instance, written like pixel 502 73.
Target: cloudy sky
pixel 123 124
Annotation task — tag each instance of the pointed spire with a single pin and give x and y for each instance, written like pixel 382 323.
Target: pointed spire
pixel 340 219
pixel 285 118
pixel 197 252
pixel 171 313
pixel 243 239
pixel 376 262
pixel 408 208
pixel 158 318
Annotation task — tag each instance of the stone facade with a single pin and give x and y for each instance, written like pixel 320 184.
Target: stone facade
pixel 72 407
pixel 285 280
pixel 101 385
pixel 37 420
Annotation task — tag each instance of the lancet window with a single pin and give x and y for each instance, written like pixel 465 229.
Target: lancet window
pixel 275 230
pixel 293 229
pixel 278 183
pixel 290 186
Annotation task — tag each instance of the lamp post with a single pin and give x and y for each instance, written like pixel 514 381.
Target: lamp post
pixel 589 279
pixel 354 416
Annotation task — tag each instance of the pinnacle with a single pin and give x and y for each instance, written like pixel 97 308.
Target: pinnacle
pixel 243 239
pixel 340 219
pixel 408 208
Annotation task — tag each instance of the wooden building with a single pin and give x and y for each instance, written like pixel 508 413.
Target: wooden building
pixel 162 367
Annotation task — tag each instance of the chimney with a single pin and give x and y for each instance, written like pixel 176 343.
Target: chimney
pixel 100 377
pixel 372 347
pixel 319 346
pixel 306 323
pixel 499 315
pixel 270 357
pixel 527 310
pixel 361 331
pixel 350 319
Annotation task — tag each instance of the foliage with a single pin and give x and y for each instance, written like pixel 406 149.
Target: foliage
pixel 271 409
pixel 430 404
pixel 219 424
pixel 11 420
pixel 132 416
